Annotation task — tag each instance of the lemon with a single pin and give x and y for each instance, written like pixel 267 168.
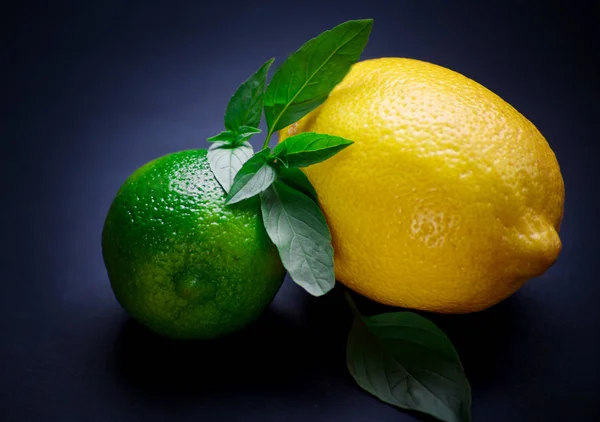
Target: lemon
pixel 449 200
pixel 182 262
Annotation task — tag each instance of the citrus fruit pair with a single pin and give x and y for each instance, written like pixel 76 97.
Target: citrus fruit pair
pixel 448 201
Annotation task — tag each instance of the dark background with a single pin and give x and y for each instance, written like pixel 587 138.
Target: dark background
pixel 92 90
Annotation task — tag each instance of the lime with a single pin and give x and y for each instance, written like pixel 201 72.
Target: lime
pixel 182 262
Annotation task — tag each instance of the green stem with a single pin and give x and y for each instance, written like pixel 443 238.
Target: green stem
pixel 269 134
pixel 351 303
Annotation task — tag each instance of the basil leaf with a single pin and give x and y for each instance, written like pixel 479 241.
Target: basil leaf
pixel 246 105
pixel 226 160
pixel 235 138
pixel 298 228
pixel 245 132
pixel 309 148
pixel 254 177
pixel 407 361
pixel 295 178
pixel 305 79
pixel 226 136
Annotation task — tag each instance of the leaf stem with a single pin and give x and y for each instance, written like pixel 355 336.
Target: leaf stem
pixel 269 134
pixel 351 303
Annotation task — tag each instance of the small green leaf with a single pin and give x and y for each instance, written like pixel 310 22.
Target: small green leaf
pixel 295 178
pixel 246 105
pixel 247 131
pixel 235 138
pixel 226 160
pixel 255 176
pixel 307 77
pixel 298 228
pixel 226 136
pixel 309 148
pixel 407 361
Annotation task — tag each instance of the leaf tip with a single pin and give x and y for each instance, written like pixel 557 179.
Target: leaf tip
pixel 367 21
pixel 230 198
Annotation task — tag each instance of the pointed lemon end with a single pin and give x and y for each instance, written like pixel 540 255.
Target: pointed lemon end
pixel 538 246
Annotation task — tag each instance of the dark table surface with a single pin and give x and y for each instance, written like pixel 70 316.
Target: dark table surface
pixel 92 90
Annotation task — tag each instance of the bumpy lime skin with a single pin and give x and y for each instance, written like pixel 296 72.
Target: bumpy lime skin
pixel 182 262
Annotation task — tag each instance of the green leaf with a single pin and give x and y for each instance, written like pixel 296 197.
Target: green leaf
pixel 245 132
pixel 246 105
pixel 309 148
pixel 298 228
pixel 295 178
pixel 255 176
pixel 407 361
pixel 226 160
pixel 235 138
pixel 307 77
pixel 226 136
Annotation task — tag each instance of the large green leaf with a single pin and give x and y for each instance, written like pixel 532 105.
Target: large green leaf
pixel 307 77
pixel 298 228
pixel 407 361
pixel 309 148
pixel 246 105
